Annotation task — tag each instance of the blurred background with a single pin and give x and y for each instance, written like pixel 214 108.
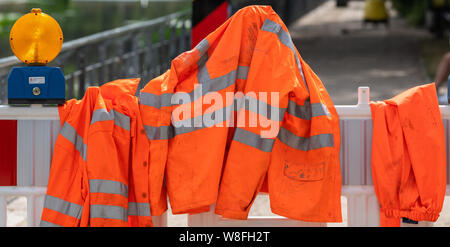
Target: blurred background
pixel 79 18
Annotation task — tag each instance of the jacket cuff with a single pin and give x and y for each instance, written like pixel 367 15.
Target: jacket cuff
pixel 410 214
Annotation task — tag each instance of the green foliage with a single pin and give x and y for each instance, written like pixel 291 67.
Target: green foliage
pixel 49 6
pixel 412 10
pixel 6 22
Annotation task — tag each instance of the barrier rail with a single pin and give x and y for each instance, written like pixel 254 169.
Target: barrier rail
pixel 39 126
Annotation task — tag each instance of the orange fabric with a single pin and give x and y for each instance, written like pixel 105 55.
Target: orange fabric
pixel 96 177
pixel 306 185
pixel 250 54
pixel 140 179
pixel 408 156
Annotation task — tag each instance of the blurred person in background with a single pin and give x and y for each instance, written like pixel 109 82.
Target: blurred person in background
pixel 443 76
pixel 443 71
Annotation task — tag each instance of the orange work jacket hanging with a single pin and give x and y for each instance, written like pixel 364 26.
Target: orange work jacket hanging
pixel 279 123
pixel 408 156
pixel 96 179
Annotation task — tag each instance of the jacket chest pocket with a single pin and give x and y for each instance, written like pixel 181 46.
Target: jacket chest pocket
pixel 304 171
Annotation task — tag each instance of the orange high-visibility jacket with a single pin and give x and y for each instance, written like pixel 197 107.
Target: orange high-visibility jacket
pixel 96 178
pixel 202 138
pixel 408 156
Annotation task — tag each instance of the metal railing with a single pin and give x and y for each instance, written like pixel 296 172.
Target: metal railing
pixel 143 49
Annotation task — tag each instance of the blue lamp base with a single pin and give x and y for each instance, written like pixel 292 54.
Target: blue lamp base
pixel 36 85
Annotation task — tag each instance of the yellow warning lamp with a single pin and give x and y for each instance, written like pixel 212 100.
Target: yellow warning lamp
pixel 36 39
pixel 375 11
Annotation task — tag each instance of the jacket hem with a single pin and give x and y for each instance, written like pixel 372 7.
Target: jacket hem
pixel 193 208
pixel 290 215
pixel 230 214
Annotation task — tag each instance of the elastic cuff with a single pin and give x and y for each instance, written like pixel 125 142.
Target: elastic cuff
pixel 413 215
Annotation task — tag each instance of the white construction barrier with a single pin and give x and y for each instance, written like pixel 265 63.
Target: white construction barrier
pixel 38 127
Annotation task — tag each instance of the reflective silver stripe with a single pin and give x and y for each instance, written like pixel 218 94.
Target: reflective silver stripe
pixel 203 77
pixel 187 129
pixel 108 186
pixel 44 223
pixel 158 133
pixel 203 73
pixel 101 115
pixel 150 99
pixel 156 101
pixel 138 209
pixel 202 46
pixel 308 110
pixel 108 212
pixel 63 206
pixel 285 39
pixel 218 83
pixel 250 103
pixel 242 72
pixel 207 85
pixel 254 140
pixel 202 61
pixel 120 119
pixel 197 123
pixel 271 26
pixel 71 135
pixel 304 143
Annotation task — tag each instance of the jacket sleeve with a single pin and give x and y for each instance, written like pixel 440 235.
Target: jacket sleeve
pixel 408 156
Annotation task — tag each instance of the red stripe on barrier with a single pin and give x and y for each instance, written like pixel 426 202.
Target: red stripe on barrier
pixel 209 23
pixel 8 152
